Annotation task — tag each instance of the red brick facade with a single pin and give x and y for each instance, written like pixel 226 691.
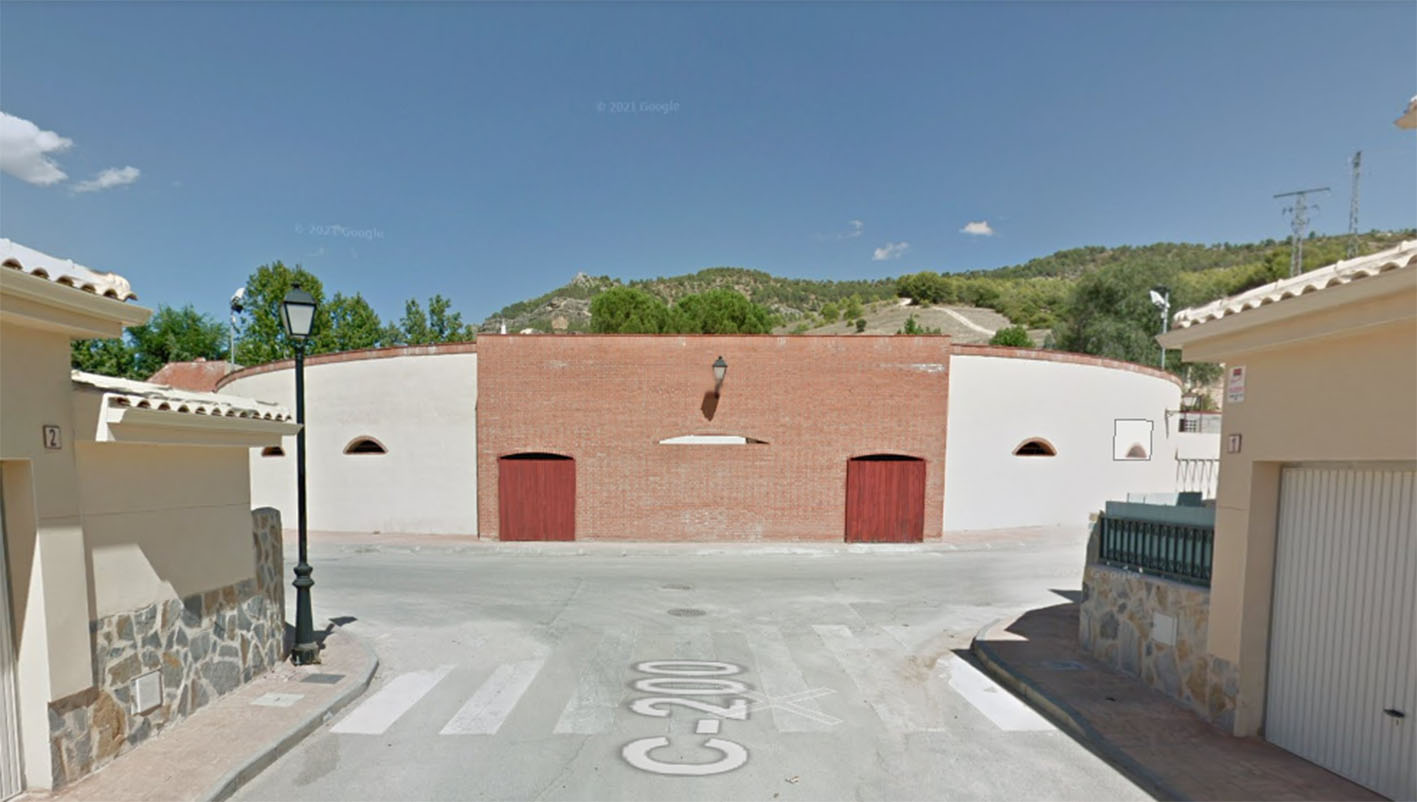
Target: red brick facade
pixel 608 401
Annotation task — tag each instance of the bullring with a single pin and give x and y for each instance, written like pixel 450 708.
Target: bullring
pixel 462 425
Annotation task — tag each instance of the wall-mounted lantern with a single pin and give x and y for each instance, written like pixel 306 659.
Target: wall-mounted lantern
pixel 720 369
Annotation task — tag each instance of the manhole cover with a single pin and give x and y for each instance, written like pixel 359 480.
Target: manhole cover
pixel 323 679
pixel 686 612
pixel 676 586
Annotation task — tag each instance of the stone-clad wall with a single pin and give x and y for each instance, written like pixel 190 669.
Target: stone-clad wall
pixel 1117 623
pixel 204 646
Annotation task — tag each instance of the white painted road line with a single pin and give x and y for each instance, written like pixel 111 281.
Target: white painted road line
pixel 391 701
pixel 484 713
pixel 600 687
pixel 870 675
pixel 1001 707
pixel 780 678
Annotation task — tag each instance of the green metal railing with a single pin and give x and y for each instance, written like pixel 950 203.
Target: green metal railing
pixel 1181 552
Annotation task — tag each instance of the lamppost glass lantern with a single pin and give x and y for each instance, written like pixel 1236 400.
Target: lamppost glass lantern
pixel 297 315
pixel 720 369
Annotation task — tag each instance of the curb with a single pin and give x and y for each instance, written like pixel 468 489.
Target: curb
pixel 1066 717
pixel 232 781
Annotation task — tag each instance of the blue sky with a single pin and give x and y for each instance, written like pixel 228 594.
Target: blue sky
pixel 477 149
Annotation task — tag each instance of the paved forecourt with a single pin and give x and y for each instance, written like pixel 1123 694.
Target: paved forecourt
pixel 721 676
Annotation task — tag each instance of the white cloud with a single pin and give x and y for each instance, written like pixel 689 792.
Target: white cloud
pixel 979 228
pixel 891 250
pixel 112 177
pixel 25 151
pixel 854 228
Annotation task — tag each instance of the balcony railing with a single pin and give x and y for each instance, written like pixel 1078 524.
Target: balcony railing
pixel 1198 476
pixel 1176 551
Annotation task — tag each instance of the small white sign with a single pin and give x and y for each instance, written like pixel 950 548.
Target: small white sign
pixel 52 438
pixel 1232 444
pixel 1235 384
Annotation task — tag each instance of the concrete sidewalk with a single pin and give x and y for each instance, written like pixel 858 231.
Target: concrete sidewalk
pixel 1014 539
pixel 216 750
pixel 1162 746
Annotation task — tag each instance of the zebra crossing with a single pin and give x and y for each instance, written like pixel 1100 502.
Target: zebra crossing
pixel 801 680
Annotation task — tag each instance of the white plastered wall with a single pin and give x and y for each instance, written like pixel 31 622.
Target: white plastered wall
pixel 422 409
pixel 164 521
pixel 996 403
pixel 44 541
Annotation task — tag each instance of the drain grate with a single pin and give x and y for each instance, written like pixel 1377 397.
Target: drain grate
pixel 686 612
pixel 1063 665
pixel 323 679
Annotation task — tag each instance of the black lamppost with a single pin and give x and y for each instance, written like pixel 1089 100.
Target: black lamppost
pixel 720 369
pixel 297 314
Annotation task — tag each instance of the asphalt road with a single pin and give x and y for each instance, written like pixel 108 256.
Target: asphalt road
pixel 654 673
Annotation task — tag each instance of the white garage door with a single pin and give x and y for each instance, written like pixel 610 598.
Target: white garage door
pixel 1343 641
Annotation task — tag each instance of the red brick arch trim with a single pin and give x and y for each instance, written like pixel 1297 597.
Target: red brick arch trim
pixel 352 356
pixel 959 349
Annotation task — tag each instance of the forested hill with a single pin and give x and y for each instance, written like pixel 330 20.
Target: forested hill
pixel 1185 256
pixel 788 298
pixel 1033 294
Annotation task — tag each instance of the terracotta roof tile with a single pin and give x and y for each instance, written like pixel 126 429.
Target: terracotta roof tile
pixel 1402 257
pixel 15 256
pixel 146 395
pixel 201 375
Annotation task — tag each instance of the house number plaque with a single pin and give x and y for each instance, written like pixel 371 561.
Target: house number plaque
pixel 52 439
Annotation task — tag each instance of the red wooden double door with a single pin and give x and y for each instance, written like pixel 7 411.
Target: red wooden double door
pixel 885 499
pixel 536 497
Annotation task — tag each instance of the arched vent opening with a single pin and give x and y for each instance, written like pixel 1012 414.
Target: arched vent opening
pixel 887 458
pixel 712 440
pixel 1137 451
pixel 365 445
pixel 535 455
pixel 273 451
pixel 1035 447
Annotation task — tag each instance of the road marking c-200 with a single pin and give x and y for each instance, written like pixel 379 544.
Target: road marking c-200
pixel 689 678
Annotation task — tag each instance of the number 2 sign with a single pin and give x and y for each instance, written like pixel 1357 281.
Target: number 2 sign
pixel 52 439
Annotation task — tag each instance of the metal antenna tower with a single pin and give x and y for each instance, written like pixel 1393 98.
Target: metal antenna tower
pixel 1353 207
pixel 1299 224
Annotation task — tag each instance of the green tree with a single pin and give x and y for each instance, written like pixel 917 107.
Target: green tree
pixel 175 335
pixel 1110 313
pixel 445 325
pixel 263 338
pixel 860 324
pixel 438 325
pixel 627 310
pixel 113 357
pixel 413 328
pixel 718 311
pixel 830 313
pixel 852 308
pixel 353 325
pixel 912 326
pixel 1016 336
pixel 171 335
